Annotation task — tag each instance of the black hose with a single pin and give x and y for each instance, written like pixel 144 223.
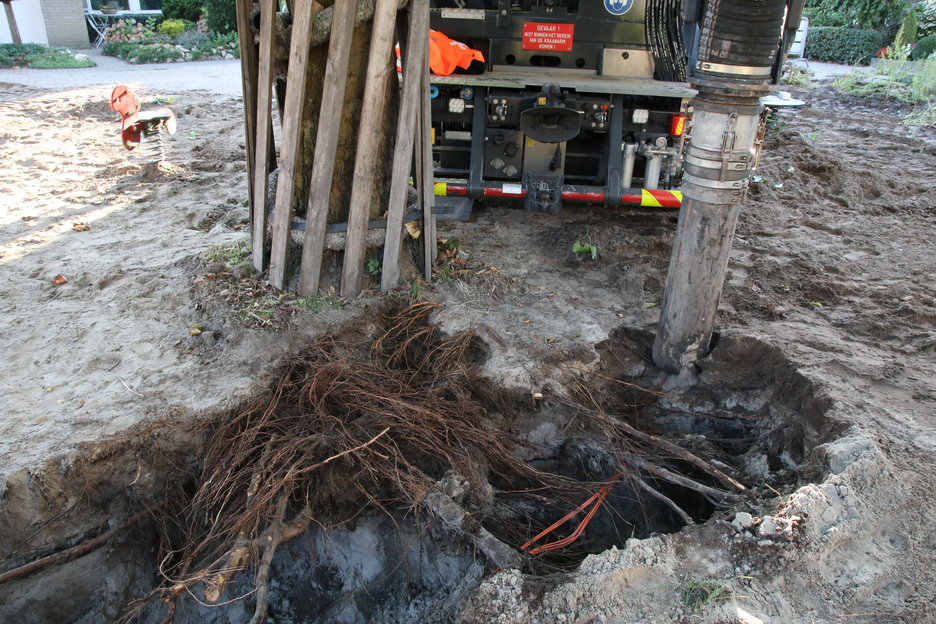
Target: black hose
pixel 741 32
pixel 664 33
pixel 692 11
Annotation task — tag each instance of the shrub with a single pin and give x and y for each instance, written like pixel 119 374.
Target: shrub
pixel 911 84
pixel 191 39
pixel 221 15
pixel 924 48
pixel 217 45
pixel 927 18
pixel 794 75
pixel 850 46
pixel 876 14
pixel 155 53
pixel 908 32
pixel 16 53
pixel 924 80
pixel 120 49
pixel 182 9
pixel 172 27
pixel 127 30
pixel 819 18
pixel 143 52
pixel 923 116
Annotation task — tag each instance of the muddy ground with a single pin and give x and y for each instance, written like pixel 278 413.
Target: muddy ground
pixel 826 322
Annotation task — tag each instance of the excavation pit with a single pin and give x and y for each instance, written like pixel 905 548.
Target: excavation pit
pixel 394 476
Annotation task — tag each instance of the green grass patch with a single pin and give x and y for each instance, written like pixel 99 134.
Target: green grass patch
pixel 274 309
pixel 922 116
pixel 36 56
pixel 796 76
pixel 230 255
pixel 908 82
pixel 585 248
pixel 700 593
pixel 316 304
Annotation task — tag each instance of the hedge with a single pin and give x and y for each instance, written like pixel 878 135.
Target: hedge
pixel 190 10
pixel 924 47
pixel 850 46
pixel 221 15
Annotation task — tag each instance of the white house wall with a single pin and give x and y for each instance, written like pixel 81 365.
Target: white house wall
pixel 65 21
pixel 29 20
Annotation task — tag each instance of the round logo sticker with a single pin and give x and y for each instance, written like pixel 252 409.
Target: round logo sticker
pixel 618 7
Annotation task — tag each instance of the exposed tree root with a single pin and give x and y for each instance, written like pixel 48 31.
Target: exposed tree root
pixel 716 496
pixel 350 425
pixel 666 499
pixel 68 554
pixel 454 517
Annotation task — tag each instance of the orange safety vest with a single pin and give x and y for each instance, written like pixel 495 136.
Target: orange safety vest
pixel 446 54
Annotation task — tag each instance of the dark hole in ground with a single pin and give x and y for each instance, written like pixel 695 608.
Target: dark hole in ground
pixel 747 411
pixel 375 553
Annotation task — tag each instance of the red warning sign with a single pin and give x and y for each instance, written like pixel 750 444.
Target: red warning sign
pixel 541 36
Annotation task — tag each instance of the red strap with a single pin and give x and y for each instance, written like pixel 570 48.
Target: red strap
pixel 598 498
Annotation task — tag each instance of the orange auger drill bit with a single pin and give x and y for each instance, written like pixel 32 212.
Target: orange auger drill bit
pixel 595 501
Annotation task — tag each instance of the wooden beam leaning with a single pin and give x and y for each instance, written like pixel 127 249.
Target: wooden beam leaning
pixel 305 10
pixel 417 44
pixel 326 144
pixel 428 184
pixel 379 71
pixel 11 20
pixel 248 54
pixel 264 127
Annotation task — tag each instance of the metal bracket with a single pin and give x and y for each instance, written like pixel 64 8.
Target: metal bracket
pixel 726 185
pixel 735 70
pixel 761 135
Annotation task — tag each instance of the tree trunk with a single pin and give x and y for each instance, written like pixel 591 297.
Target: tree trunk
pixel 350 118
pixel 347 140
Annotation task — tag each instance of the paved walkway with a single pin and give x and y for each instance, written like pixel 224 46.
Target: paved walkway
pixel 221 77
pixel 826 71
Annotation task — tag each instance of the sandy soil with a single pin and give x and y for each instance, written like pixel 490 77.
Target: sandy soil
pixel 97 354
pixel 833 268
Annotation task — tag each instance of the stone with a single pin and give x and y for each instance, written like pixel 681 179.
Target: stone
pixel 742 520
pixel 768 527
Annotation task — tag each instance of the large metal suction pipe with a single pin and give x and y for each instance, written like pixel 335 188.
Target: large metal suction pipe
pixel 630 158
pixel 738 48
pixel 652 174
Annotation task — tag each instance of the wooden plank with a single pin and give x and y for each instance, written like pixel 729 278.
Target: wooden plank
pixel 417 41
pixel 369 152
pixel 293 106
pixel 326 144
pixel 428 187
pixel 264 126
pixel 11 20
pixel 248 55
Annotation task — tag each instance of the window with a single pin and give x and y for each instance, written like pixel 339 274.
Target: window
pixel 121 5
